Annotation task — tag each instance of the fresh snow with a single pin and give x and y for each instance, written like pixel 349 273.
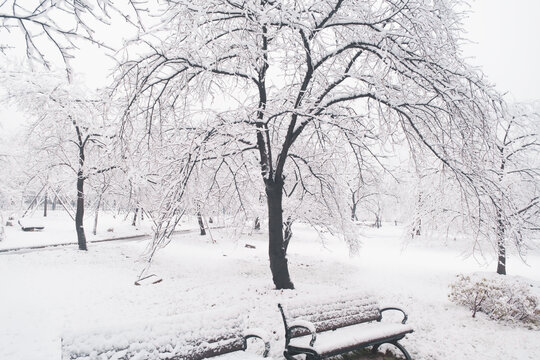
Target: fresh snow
pixel 305 324
pixel 54 293
pixel 349 336
pixel 60 229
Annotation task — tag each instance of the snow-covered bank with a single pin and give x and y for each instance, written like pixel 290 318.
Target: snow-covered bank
pixel 46 294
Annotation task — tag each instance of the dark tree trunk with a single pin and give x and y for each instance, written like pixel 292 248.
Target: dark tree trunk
pixel 287 234
pixel 353 207
pixel 201 224
pixel 257 225
pixel 501 245
pixel 378 222
pixel 45 204
pixel 353 212
pixel 276 249
pixel 417 229
pixel 273 178
pixel 134 222
pixel 79 213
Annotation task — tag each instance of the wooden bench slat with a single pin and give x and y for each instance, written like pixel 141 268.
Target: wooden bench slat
pixel 362 312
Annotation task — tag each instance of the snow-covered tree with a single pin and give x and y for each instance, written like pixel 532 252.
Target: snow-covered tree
pixel 276 75
pixel 68 130
pixel 50 31
pixel 502 210
pixel 517 174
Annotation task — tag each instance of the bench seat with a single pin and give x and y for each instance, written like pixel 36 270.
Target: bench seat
pixel 351 337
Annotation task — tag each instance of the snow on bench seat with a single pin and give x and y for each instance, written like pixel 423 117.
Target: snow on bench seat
pixel 351 336
pixel 189 337
pixel 31 224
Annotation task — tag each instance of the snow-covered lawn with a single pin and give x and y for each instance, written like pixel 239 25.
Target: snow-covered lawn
pixel 60 229
pixel 46 294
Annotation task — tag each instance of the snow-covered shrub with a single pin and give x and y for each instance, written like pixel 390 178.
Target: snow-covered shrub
pixel 500 297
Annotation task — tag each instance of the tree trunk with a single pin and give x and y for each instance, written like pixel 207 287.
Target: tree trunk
pixel 353 207
pixel 201 224
pixel 353 212
pixel 287 234
pixel 417 229
pixel 79 213
pixel 94 230
pixel 501 225
pixel 45 203
pixel 276 249
pixel 134 222
pixel 501 246
pixel 378 222
pixel 257 225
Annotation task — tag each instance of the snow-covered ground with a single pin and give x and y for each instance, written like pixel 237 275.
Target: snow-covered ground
pixel 60 229
pixel 49 293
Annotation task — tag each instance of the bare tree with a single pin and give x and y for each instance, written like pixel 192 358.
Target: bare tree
pixel 287 73
pixel 52 30
pixel 502 210
pixel 517 170
pixel 160 167
pixel 69 129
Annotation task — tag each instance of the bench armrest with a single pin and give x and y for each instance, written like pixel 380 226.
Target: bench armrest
pixel 259 334
pixel 405 317
pixel 304 324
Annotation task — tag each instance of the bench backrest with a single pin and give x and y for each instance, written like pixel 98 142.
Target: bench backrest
pixel 188 338
pixel 330 313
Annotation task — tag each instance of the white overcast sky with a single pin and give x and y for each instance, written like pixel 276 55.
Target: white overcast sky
pixel 504 41
pixel 506 36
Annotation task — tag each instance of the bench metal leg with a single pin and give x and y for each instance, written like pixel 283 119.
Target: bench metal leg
pixel 400 347
pixel 287 356
pixel 290 357
pixel 375 348
pixel 310 355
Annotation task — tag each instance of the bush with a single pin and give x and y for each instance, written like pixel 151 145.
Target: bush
pixel 500 297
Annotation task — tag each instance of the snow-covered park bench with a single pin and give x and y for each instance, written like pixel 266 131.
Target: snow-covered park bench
pixel 31 224
pixel 190 337
pixel 320 329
